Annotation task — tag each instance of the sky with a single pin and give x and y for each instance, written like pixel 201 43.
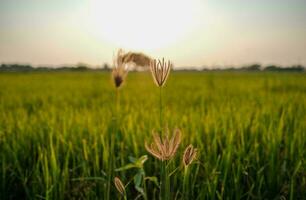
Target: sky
pixel 188 32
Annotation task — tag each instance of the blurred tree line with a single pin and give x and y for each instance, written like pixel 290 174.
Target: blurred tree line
pixel 106 67
pixel 258 67
pixel 29 68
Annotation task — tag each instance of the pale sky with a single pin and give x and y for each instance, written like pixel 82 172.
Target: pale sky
pixel 188 32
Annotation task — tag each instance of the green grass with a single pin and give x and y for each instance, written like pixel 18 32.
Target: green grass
pixel 250 129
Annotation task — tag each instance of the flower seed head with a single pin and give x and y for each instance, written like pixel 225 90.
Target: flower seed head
pixel 190 154
pixel 118 80
pixel 119 186
pixel 160 71
pixel 120 69
pixel 138 59
pixel 164 148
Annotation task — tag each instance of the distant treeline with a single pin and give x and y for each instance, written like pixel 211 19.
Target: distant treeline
pixel 258 67
pixel 106 67
pixel 29 68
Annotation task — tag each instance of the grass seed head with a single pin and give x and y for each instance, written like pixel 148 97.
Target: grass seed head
pixel 119 186
pixel 190 154
pixel 164 148
pixel 160 71
pixel 120 69
pixel 139 59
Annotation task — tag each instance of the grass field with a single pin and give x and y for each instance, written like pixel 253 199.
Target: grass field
pixel 249 128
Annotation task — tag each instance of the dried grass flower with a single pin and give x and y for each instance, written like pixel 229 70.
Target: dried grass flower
pixel 119 186
pixel 164 148
pixel 120 69
pixel 139 59
pixel 160 71
pixel 190 154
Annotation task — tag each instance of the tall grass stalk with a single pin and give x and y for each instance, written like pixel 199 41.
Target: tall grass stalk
pixel 186 183
pixel 164 179
pixel 112 142
pixel 160 111
pixel 165 182
pixel 160 71
pixel 189 156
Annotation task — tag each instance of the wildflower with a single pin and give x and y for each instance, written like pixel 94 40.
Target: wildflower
pixel 119 186
pixel 120 69
pixel 190 154
pixel 164 148
pixel 138 59
pixel 160 71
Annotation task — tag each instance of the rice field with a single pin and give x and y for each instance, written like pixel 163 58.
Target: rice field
pixel 67 135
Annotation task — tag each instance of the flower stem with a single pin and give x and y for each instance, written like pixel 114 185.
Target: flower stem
pixel 186 183
pixel 162 194
pixel 167 185
pixel 163 175
pixel 117 104
pixel 112 138
pixel 160 110
pixel 165 182
pixel 144 188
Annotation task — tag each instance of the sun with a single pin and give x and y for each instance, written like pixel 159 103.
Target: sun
pixel 141 24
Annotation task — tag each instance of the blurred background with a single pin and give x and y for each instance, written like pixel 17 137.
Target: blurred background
pixel 192 33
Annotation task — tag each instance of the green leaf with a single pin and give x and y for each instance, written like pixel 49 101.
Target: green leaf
pixel 137 179
pixel 153 179
pixel 140 161
pixel 143 159
pixel 132 159
pixel 126 167
pixel 140 189
pixel 136 163
pixel 88 179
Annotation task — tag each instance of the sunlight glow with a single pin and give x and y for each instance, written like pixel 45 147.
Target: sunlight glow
pixel 142 24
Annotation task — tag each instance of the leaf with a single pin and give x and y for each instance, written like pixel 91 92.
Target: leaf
pixel 88 179
pixel 297 168
pixel 140 189
pixel 140 161
pixel 143 159
pixel 173 171
pixel 132 159
pixel 153 179
pixel 126 167
pixel 136 163
pixel 142 172
pixel 137 179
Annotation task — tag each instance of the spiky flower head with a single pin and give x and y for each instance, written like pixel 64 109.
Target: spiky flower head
pixel 137 58
pixel 119 186
pixel 120 69
pixel 164 148
pixel 160 71
pixel 190 154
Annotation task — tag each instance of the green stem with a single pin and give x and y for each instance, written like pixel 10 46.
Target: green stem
pixel 164 179
pixel 165 182
pixel 112 138
pixel 110 167
pixel 186 183
pixel 117 103
pixel 162 182
pixel 144 188
pixel 144 184
pixel 160 111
